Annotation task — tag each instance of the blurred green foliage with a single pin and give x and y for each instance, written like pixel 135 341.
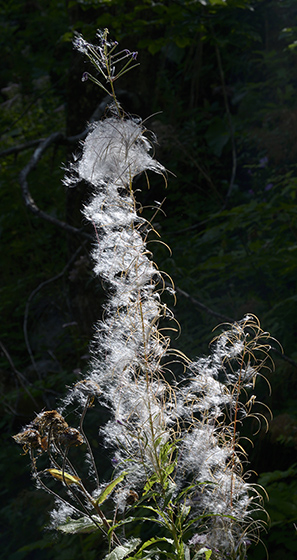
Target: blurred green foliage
pixel 223 75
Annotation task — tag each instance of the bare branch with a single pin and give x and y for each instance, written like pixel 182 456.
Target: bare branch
pixel 231 126
pixel 19 376
pixel 43 145
pixel 21 147
pixel 33 294
pixel 56 137
pixel 204 307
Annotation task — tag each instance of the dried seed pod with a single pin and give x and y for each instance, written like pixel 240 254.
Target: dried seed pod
pixel 29 439
pixel 132 498
pixel 50 418
pixel 88 388
pixel 69 437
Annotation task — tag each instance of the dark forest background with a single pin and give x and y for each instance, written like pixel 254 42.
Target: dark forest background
pixel 217 83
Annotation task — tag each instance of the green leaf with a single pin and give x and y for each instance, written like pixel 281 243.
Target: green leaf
pixel 144 553
pixel 158 512
pixel 187 552
pixel 182 42
pixel 170 489
pixel 82 525
pixel 185 510
pixel 218 2
pixel 201 552
pixel 217 135
pixel 67 37
pixel 154 540
pixel 156 45
pixel 270 477
pixel 109 488
pixel 37 545
pixel 150 483
pixel 123 550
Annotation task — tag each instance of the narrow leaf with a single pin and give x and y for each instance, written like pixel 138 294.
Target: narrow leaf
pixel 150 483
pixel 82 525
pixel 154 540
pixel 185 510
pixel 65 477
pixel 187 552
pixel 109 488
pixel 123 550
pixel 146 552
pixel 201 552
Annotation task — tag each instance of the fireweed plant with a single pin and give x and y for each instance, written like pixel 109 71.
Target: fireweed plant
pixel 174 446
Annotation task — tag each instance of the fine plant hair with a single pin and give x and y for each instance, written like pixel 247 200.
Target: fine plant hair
pixel 173 441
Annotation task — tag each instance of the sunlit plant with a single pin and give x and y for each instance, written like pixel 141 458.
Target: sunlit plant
pixel 174 444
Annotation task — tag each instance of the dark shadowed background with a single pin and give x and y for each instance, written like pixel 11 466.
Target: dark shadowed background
pixel 217 83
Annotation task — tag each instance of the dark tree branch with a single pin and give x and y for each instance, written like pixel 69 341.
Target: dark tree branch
pixel 21 147
pixel 229 320
pixel 231 126
pixel 55 138
pixel 204 307
pixel 30 104
pixel 43 145
pixel 62 139
pixel 33 294
pixel 20 378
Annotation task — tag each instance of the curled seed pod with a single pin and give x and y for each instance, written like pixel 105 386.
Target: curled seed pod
pixel 50 418
pixel 70 437
pixel 132 498
pixel 88 388
pixel 29 439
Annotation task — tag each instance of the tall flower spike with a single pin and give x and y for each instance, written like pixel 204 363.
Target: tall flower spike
pixel 175 447
pixel 105 60
pixel 128 347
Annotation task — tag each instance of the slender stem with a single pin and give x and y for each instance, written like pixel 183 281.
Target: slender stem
pixel 110 80
pixel 230 122
pixel 49 490
pixel 234 430
pixel 87 441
